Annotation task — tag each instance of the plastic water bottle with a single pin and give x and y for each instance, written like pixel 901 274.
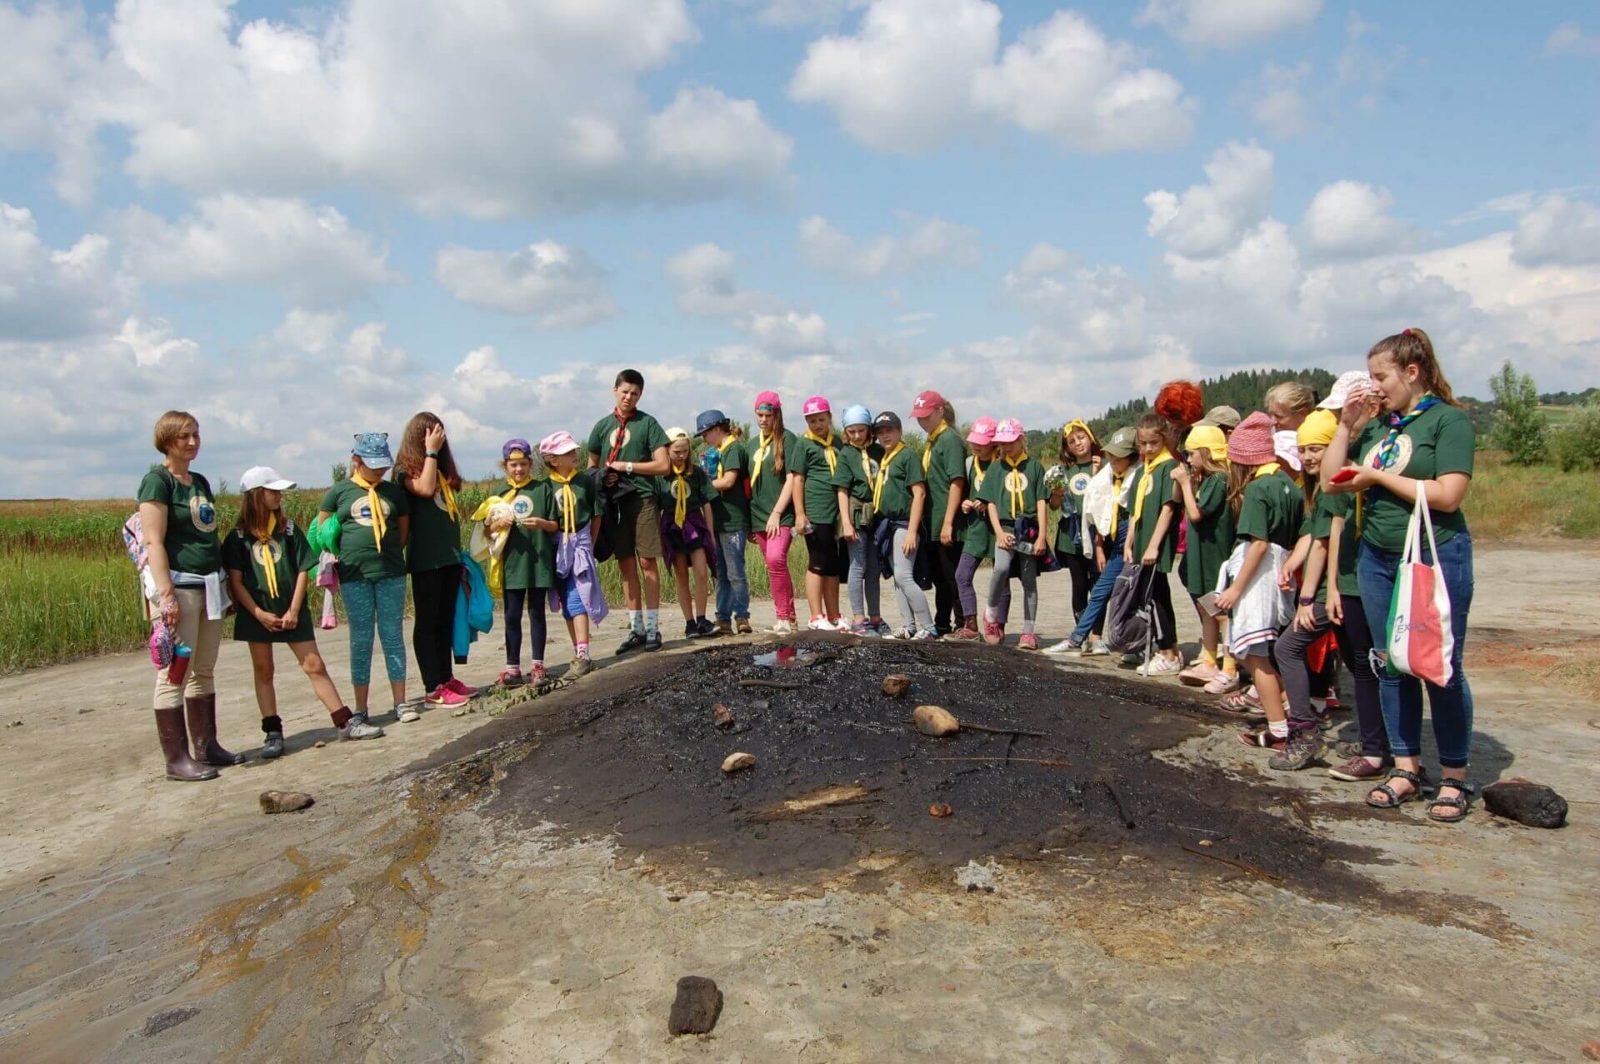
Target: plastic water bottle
pixel 180 663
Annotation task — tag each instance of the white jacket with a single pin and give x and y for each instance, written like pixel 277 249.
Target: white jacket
pixel 1098 501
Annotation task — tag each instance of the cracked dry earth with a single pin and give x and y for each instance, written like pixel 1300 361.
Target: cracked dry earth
pixel 530 887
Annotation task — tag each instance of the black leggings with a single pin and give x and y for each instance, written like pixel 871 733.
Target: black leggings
pixel 433 600
pixel 947 615
pixel 537 632
pixel 1166 620
pixel 1355 646
pixel 1084 574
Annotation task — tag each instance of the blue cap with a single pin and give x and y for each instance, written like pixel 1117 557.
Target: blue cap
pixel 856 415
pixel 373 450
pixel 709 419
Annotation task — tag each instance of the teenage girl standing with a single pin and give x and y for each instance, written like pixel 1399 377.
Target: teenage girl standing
pixel 944 466
pixel 816 514
pixel 771 499
pixel 730 516
pixel 899 495
pixel 527 562
pixel 977 539
pixel 1153 534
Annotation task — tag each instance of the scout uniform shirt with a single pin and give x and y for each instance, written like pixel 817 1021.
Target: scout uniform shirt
pixel 1016 490
pixel 573 505
pixel 697 491
pixel 944 460
pixel 730 510
pixel 435 538
pixel 360 555
pixel 766 484
pixel 1078 475
pixel 1438 441
pixel 813 461
pixel 1210 538
pixel 528 561
pixel 269 570
pixel 639 439
pixel 1329 507
pixel 1272 508
pixel 191 537
pixel 891 488
pixel 858 466
pixel 1152 490
pixel 977 539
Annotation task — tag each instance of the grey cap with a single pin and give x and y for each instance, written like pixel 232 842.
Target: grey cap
pixel 1225 417
pixel 1122 444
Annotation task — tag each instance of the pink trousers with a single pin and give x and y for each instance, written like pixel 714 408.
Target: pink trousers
pixel 775 549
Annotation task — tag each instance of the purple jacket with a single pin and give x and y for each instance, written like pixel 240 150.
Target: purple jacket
pixel 575 558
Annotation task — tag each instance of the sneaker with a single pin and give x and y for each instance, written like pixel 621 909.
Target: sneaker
pixel 358 728
pixel 1222 684
pixel 993 633
pixel 443 696
pixel 742 626
pixel 405 714
pixel 1096 649
pixel 1198 675
pixel 1131 658
pixel 902 634
pixel 884 629
pixel 821 624
pixel 1331 704
pixel 1324 720
pixel 707 629
pixel 1263 740
pixel 1029 641
pixel 464 690
pixel 511 676
pixel 652 640
pixel 579 666
pixel 691 630
pixel 536 675
pixel 866 629
pixel 923 635
pixel 1302 751
pixel 964 634
pixel 782 627
pixel 1066 646
pixel 1161 665
pixel 1358 769
pixel 634 641
pixel 272 746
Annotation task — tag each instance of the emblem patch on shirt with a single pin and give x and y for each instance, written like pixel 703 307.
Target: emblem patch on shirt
pixel 268 554
pixel 1402 455
pixel 522 506
pixel 361 510
pixel 203 512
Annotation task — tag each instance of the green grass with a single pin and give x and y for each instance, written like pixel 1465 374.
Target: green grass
pixel 1512 502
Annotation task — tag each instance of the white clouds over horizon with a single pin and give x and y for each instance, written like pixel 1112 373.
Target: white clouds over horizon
pixel 555 285
pixel 1228 23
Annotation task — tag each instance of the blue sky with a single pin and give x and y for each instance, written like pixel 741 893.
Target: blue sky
pixel 305 221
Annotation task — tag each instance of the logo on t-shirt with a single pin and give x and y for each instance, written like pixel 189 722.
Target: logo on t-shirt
pixel 612 439
pixel 361 510
pixel 1397 462
pixel 203 512
pixel 1079 483
pixel 522 507
pixel 1015 481
pixel 268 554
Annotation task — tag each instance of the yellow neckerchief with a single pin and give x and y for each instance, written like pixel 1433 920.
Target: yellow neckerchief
pixel 827 448
pixel 978 470
pixel 1019 496
pixel 763 445
pixel 269 566
pixel 927 455
pixel 568 500
pixel 1116 499
pixel 1266 470
pixel 380 526
pixel 866 462
pixel 680 494
pixel 883 475
pixel 516 486
pixel 1150 468
pixel 449 499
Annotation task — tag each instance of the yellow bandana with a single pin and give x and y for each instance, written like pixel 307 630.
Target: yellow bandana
pixel 567 500
pixel 763 445
pixel 1150 468
pixel 1116 502
pixel 380 525
pixel 268 565
pixel 927 455
pixel 680 495
pixel 1019 495
pixel 978 470
pixel 449 499
pixel 883 475
pixel 827 449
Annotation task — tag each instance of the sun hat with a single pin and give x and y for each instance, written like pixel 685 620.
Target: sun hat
pixel 676 433
pixel 1317 429
pixel 856 414
pixel 1208 438
pixel 815 405
pixel 982 432
pixel 886 420
pixel 1222 416
pixel 264 477
pixel 768 401
pixel 928 402
pixel 373 450
pixel 1287 446
pixel 516 447
pixel 1122 443
pixel 558 442
pixel 1007 430
pixel 708 420
pixel 1251 442
pixel 1354 380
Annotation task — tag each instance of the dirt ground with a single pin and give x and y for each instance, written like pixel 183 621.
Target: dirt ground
pixel 397 919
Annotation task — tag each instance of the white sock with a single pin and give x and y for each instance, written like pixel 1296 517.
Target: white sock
pixel 1278 728
pixel 635 622
pixel 652 620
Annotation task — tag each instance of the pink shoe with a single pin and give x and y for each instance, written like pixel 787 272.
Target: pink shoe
pixel 460 688
pixel 1029 641
pixel 536 675
pixel 443 696
pixel 1222 684
pixel 963 634
pixel 1199 675
pixel 993 632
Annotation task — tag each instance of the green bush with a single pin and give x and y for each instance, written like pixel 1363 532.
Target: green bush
pixel 1520 429
pixel 1576 445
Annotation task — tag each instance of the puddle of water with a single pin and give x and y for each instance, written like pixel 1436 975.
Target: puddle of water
pixel 785 658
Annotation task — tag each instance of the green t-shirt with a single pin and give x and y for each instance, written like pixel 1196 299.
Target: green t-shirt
pixel 700 491
pixel 191 537
pixel 821 492
pixel 1210 539
pixel 1439 441
pixel 585 499
pixel 1156 490
pixel 730 509
pixel 946 460
pixel 767 483
pixel 360 556
pixel 641 438
pixel 529 558
pixel 1272 509
pixel 435 539
pixel 1329 507
pixel 1001 479
pixel 1078 477
pixel 977 539
pixel 287 553
pixel 898 474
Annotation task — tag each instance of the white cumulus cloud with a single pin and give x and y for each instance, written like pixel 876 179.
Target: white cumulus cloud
pixel 931 243
pixel 707 287
pixel 1228 23
pixel 554 284
pixel 1208 219
pixel 49 293
pixel 1351 218
pixel 1568 39
pixel 1558 230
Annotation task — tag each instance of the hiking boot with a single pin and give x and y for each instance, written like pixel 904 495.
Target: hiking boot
pixel 722 628
pixel 634 641
pixel 358 728
pixel 272 745
pixel 579 666
pixel 1302 751
pixel 742 626
pixel 201 713
pixel 964 634
pixel 175 748
pixel 652 640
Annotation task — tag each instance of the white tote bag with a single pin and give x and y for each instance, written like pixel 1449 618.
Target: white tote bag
pixel 1421 641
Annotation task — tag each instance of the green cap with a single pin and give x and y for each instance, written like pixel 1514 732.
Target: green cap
pixel 1122 444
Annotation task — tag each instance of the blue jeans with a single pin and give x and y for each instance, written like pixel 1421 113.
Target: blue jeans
pixel 1401 696
pixel 733 586
pixel 863 582
pixel 1100 594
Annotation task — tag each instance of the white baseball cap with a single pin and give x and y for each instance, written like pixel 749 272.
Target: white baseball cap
pixel 264 477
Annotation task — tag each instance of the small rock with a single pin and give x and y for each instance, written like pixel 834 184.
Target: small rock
pixel 88 709
pixel 941 810
pixel 15 724
pixel 896 684
pixel 163 1021
pixel 721 716
pixel 973 876
pixel 319 744
pixel 284 801
pixel 1591 1050
pixel 738 762
pixel 459 713
pixel 1526 802
pixel 1206 844
pixel 697 1006
pixel 935 721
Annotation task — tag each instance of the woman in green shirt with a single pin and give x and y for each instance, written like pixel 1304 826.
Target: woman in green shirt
pixel 771 497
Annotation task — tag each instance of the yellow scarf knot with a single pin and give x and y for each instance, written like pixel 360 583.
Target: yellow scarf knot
pixel 1150 468
pixel 566 499
pixel 380 524
pixel 883 475
pixel 927 455
pixel 268 564
pixel 827 449
pixel 1018 495
pixel 680 495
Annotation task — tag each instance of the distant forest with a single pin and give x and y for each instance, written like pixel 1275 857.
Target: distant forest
pixel 1244 391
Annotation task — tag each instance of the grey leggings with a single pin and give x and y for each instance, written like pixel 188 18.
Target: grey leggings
pixel 999 584
pixel 914 612
pixel 1290 654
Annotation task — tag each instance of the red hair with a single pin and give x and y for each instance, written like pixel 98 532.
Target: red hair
pixel 1180 402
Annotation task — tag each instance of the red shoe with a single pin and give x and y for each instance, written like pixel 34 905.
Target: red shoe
pixel 443 696
pixel 536 675
pixel 510 677
pixel 1029 641
pixel 993 632
pixel 963 634
pixel 460 688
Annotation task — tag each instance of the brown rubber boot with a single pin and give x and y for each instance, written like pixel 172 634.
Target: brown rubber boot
pixel 175 747
pixel 203 732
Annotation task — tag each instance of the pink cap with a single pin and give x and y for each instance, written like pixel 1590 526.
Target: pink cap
pixel 1007 430
pixel 558 442
pixel 982 432
pixel 769 400
pixel 928 402
pixel 816 405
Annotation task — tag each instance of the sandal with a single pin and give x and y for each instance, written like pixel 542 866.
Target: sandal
pixel 1395 799
pixel 1462 801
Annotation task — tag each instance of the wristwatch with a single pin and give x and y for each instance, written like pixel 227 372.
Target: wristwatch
pixel 1307 601
pixel 630 469
pixel 433 454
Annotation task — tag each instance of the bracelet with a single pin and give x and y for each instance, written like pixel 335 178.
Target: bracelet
pixel 1307 601
pixel 433 454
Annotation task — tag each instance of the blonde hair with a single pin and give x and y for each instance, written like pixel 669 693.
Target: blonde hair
pixel 170 426
pixel 1412 347
pixel 1293 396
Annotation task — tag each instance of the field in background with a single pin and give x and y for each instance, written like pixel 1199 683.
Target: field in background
pixel 67 589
